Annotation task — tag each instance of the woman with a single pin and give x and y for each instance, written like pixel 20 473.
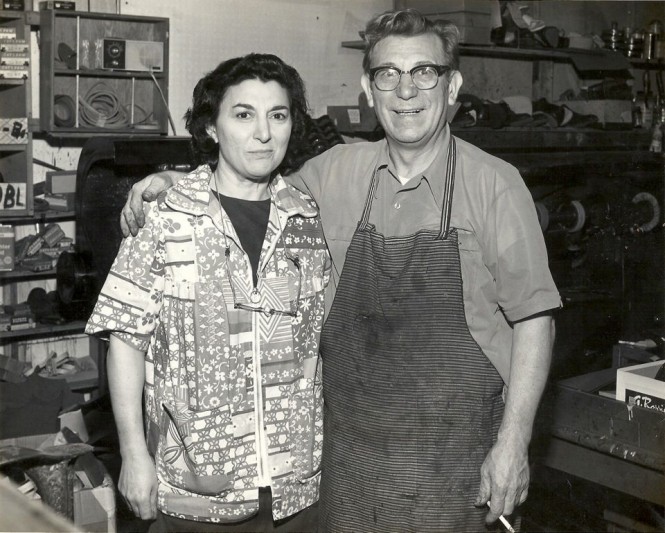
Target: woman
pixel 232 384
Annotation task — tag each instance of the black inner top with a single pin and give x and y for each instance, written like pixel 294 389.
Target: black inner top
pixel 250 220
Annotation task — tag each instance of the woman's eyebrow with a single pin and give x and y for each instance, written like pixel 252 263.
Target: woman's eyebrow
pixel 250 107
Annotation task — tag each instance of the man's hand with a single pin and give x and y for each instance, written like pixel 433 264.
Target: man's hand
pixel 132 217
pixel 138 485
pixel 504 479
pixel 505 472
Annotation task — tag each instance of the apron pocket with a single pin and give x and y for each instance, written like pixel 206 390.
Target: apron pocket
pixel 195 451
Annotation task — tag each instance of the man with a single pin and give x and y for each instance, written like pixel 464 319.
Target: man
pixel 442 295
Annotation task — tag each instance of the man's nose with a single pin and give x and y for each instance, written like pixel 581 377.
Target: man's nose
pixel 406 89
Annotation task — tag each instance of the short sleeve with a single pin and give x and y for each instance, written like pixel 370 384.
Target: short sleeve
pixel 519 260
pixel 130 299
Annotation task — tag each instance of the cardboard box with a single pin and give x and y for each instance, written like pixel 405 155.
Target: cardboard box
pixel 8 33
pixel 61 202
pixel 636 386
pixel 94 508
pixel 472 17
pixel 429 7
pixel 13 5
pixel 464 19
pixel 51 4
pixel 7 250
pixel 474 35
pixel 60 182
pixel 13 130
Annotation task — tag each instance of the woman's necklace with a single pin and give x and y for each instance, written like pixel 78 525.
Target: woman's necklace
pixel 255 295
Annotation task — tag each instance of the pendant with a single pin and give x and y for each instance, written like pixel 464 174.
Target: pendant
pixel 255 297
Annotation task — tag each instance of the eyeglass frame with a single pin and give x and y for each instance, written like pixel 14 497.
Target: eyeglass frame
pixel 440 70
pixel 260 309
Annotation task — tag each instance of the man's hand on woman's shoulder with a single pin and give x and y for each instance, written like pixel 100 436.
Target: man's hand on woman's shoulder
pixel 132 217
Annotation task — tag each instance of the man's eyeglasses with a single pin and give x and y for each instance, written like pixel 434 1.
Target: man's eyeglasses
pixel 424 76
pixel 269 311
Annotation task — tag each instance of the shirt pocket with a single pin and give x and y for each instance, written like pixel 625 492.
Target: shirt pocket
pixel 308 279
pixel 306 428
pixel 196 450
pixel 194 356
pixel 471 258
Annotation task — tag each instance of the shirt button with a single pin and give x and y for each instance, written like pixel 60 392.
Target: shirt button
pixel 397 205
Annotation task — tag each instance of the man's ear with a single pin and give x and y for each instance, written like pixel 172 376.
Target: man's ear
pixel 454 86
pixel 367 88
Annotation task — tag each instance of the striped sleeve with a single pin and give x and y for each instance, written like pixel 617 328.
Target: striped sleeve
pixel 130 300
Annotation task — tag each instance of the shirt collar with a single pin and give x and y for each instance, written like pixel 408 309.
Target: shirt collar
pixel 434 176
pixel 192 194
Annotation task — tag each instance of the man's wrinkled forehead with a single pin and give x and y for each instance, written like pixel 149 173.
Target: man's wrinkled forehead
pixel 406 51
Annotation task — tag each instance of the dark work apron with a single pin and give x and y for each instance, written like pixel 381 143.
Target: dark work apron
pixel 412 405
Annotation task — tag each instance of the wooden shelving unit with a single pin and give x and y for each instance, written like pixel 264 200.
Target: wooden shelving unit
pixel 45 330
pixel 80 75
pixel 10 340
pixel 15 114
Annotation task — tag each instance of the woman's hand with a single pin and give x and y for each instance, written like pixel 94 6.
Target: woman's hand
pixel 132 217
pixel 138 485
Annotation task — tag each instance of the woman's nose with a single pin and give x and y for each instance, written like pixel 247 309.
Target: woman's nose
pixel 262 130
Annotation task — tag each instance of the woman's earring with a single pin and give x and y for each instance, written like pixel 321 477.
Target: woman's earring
pixel 213 135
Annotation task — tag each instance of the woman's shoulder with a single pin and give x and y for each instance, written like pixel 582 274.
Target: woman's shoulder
pixel 192 192
pixel 197 179
pixel 293 199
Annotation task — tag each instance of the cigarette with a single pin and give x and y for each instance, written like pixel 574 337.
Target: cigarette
pixel 505 522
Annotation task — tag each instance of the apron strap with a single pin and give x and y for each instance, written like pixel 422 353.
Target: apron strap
pixel 447 192
pixel 373 185
pixel 448 189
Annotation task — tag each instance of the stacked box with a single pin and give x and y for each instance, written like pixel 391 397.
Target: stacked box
pixel 52 4
pixel 60 202
pixel 18 59
pixel 472 17
pixel 94 507
pixel 8 32
pixel 13 5
pixel 14 45
pixel 637 385
pixel 7 252
pixel 14 72
pixel 13 130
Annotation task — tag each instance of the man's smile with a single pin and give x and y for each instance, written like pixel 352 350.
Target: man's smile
pixel 407 112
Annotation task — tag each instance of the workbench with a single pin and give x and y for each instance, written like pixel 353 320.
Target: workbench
pixel 601 439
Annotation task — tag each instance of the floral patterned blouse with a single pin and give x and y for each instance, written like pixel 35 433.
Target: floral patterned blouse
pixel 232 396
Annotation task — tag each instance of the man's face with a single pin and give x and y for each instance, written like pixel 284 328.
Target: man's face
pixel 411 117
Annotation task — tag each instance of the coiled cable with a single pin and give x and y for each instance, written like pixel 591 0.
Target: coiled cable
pixel 101 108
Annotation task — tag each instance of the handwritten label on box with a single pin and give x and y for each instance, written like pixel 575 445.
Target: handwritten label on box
pixel 12 196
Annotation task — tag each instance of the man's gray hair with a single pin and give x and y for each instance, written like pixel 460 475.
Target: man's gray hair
pixel 409 23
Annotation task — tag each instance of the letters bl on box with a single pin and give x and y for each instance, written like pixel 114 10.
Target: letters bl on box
pixel 12 196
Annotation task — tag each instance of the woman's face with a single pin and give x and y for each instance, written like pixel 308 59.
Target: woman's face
pixel 253 129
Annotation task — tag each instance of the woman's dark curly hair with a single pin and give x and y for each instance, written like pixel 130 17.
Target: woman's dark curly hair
pixel 209 93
